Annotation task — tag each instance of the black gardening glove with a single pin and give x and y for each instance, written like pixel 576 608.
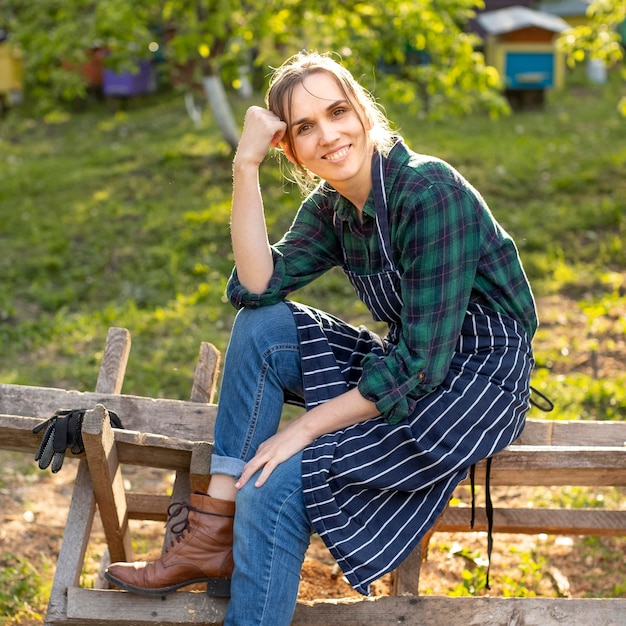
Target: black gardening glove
pixel 64 430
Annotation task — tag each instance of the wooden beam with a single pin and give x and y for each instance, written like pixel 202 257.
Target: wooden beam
pixel 82 509
pixel 581 465
pixel 599 522
pixel 573 432
pixel 205 376
pixel 189 420
pixel 134 448
pixel 114 361
pixel 108 484
pixel 90 607
pixel 147 506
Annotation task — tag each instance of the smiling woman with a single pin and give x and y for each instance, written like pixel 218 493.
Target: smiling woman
pixel 390 425
pixel 329 137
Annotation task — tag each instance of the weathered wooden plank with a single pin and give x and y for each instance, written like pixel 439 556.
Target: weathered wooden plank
pixel 534 521
pixel 74 545
pixel 517 465
pixel 134 448
pixel 205 376
pixel 107 481
pixel 153 450
pixel 82 509
pixel 557 465
pixel 114 361
pixel 573 432
pixel 189 420
pixel 200 466
pixel 454 519
pixel 147 506
pixel 96 608
pixel 16 433
pixel 405 579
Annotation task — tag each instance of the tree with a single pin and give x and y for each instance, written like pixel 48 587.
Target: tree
pixel 599 38
pixel 413 50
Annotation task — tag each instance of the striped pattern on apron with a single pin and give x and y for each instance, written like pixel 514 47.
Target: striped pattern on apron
pixel 373 490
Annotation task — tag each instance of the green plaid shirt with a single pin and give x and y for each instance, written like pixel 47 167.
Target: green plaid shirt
pixel 447 247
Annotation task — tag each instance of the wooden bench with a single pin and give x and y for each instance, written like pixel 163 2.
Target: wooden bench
pixel 176 435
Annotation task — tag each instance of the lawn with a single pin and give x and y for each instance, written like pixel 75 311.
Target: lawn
pixel 118 216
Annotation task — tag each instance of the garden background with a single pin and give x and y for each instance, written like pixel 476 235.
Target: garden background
pixel 118 216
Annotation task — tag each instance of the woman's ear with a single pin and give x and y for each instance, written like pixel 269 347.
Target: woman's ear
pixel 288 152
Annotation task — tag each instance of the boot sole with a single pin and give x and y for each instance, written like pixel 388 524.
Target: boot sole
pixel 215 587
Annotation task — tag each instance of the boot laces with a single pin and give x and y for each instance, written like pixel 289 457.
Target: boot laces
pixel 181 527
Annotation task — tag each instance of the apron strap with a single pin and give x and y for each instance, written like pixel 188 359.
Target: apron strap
pixel 382 211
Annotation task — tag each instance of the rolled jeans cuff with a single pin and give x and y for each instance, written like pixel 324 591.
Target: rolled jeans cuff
pixel 226 465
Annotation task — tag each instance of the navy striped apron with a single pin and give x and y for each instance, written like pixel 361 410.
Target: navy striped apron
pixel 373 490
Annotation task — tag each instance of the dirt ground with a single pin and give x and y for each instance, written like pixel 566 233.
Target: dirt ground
pixel 34 504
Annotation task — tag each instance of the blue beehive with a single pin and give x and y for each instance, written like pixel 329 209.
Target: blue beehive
pixel 520 44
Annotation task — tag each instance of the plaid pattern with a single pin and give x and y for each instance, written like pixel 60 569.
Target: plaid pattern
pixel 448 250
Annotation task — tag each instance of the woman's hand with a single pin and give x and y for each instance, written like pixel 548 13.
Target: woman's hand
pixel 342 411
pixel 262 130
pixel 274 451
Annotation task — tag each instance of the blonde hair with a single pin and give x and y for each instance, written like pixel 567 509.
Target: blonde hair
pixel 293 72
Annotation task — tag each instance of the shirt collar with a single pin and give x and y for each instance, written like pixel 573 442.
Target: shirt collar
pixel 346 211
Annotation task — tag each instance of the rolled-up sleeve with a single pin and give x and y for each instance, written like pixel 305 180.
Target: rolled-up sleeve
pixel 308 250
pixel 240 297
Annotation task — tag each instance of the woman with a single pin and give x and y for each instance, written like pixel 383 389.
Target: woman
pixel 390 425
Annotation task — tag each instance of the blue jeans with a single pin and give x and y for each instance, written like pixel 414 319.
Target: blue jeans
pixel 272 529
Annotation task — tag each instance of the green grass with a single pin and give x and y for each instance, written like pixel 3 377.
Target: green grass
pixel 23 588
pixel 117 217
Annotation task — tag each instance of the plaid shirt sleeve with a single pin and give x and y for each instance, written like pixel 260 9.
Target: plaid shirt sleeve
pixel 308 250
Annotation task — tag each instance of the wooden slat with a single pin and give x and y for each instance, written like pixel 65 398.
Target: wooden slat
pixel 114 361
pixel 205 376
pixel 405 579
pixel 518 465
pixel 189 420
pixel 556 466
pixel 200 466
pixel 107 481
pixel 573 432
pixel 82 509
pixel 144 449
pixel 96 608
pixel 147 506
pixel 534 521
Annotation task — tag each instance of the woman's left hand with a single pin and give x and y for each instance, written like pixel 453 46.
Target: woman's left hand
pixel 274 451
pixel 342 411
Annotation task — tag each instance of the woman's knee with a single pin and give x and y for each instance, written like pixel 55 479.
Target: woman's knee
pixel 278 499
pixel 272 323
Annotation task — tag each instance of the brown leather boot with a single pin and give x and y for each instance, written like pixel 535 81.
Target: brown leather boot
pixel 201 552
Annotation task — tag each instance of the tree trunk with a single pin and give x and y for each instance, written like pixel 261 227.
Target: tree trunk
pixel 216 95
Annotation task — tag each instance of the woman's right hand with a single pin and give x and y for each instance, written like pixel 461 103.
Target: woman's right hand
pixel 261 130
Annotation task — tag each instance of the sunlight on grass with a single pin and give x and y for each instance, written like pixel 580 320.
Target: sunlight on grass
pixel 125 222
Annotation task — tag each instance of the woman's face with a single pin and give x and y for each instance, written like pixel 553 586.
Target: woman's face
pixel 328 135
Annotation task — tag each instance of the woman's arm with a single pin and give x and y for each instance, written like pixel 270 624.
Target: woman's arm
pixel 251 248
pixel 340 412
